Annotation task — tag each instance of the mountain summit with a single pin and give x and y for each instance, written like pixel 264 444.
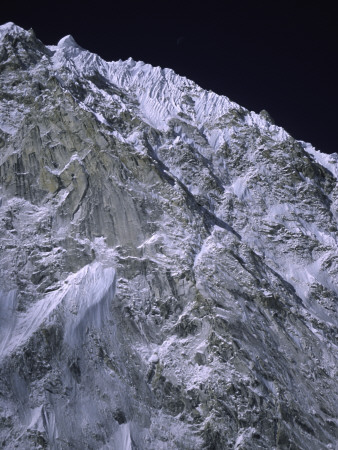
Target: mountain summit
pixel 168 267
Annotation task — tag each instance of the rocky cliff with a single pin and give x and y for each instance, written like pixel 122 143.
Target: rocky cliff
pixel 169 263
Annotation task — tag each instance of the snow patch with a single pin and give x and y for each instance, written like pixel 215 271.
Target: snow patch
pixel 122 438
pixel 88 294
pixel 330 162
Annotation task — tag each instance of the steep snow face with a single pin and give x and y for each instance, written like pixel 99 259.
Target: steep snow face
pixel 168 267
pixel 87 295
pixel 160 94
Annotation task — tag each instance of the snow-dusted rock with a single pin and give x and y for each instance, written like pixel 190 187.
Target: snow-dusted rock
pixel 168 263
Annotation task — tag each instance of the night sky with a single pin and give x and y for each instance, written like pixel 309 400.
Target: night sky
pixel 281 57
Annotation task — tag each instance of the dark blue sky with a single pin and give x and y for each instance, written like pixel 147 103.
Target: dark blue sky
pixel 281 57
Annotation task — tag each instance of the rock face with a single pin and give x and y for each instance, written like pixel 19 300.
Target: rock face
pixel 168 263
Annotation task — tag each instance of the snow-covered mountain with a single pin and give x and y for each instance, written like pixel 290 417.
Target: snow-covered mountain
pixel 169 263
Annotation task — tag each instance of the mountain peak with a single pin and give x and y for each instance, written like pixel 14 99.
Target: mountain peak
pixel 11 28
pixel 68 42
pixel 168 262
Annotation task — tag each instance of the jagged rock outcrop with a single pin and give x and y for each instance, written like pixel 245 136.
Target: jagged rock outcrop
pixel 169 263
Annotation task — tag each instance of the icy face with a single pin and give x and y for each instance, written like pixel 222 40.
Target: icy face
pixel 168 267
